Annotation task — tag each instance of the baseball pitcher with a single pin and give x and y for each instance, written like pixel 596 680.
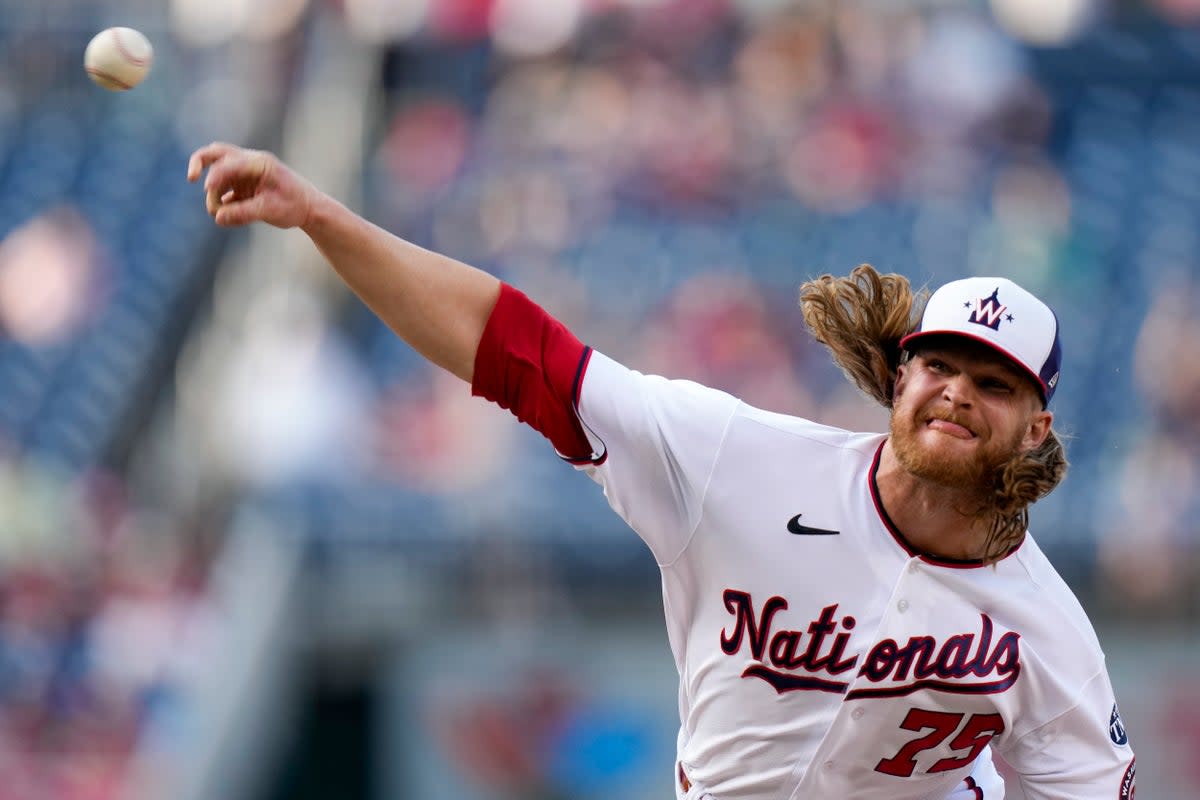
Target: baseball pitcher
pixel 853 615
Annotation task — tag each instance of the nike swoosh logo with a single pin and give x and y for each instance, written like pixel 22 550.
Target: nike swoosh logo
pixel 795 527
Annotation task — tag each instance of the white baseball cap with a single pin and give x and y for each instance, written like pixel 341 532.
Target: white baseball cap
pixel 1001 315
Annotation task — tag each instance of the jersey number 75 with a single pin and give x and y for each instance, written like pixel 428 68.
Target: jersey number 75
pixel 974 736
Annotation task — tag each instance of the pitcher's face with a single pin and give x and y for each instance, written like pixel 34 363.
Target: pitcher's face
pixel 960 410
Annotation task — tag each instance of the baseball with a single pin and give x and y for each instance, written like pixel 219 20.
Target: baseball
pixel 118 58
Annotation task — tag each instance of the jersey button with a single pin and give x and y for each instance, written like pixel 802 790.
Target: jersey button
pixel 914 565
pixel 857 713
pixel 902 605
pixel 828 765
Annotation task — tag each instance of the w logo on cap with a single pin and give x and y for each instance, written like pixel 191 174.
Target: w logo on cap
pixel 988 311
pixel 962 306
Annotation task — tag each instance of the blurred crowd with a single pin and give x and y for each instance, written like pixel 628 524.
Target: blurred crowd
pixel 104 588
pixel 662 175
pixel 103 609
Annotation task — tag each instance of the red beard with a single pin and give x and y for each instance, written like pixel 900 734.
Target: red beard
pixel 937 465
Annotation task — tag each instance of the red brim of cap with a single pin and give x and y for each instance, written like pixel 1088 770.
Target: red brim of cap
pixel 1037 380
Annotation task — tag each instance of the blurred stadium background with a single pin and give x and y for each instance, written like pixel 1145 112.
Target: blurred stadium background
pixel 251 547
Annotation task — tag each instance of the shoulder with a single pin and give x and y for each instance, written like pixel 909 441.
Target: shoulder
pixel 604 376
pixel 808 434
pixel 613 389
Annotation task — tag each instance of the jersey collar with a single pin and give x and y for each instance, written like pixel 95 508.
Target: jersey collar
pixel 954 563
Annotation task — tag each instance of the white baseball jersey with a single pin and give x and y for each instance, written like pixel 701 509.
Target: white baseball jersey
pixel 821 657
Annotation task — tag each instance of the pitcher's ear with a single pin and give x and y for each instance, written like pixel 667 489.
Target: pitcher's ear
pixel 901 374
pixel 1038 430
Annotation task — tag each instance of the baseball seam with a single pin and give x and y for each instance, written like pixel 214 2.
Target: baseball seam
pixel 99 73
pixel 124 51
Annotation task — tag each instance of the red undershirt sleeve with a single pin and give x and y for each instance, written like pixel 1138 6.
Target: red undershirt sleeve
pixel 529 363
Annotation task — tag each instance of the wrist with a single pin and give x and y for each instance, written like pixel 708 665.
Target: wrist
pixel 316 213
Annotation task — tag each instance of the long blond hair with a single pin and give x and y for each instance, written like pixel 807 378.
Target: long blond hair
pixel 861 318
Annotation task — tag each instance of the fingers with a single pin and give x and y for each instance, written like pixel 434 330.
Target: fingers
pixel 226 163
pixel 233 174
pixel 239 212
pixel 243 210
pixel 212 202
pixel 205 156
pixel 244 186
pixel 213 199
pixel 236 169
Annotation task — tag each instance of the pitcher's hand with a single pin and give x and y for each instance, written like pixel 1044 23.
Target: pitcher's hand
pixel 245 186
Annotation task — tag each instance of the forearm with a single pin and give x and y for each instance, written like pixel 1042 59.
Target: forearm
pixel 437 305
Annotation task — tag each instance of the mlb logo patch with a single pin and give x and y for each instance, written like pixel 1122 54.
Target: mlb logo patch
pixel 1116 728
pixel 988 311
